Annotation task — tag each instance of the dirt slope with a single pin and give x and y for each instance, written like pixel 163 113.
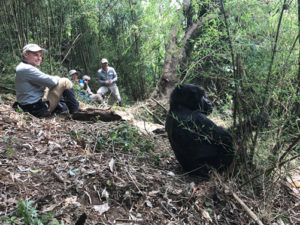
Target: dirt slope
pixel 107 170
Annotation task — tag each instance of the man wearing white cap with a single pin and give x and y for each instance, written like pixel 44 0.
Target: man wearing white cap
pixel 107 79
pixel 31 83
pixel 74 76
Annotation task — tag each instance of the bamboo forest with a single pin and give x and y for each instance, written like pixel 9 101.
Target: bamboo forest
pixel 135 112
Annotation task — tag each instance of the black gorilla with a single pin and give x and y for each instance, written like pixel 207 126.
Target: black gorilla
pixel 198 143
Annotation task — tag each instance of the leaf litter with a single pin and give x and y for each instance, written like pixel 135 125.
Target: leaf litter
pixel 74 168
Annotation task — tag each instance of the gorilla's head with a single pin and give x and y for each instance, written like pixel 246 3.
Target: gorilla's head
pixel 192 97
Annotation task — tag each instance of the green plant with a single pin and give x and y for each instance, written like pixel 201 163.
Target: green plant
pixel 10 151
pixel 19 109
pixel 156 159
pixel 77 134
pixel 127 138
pixel 10 220
pixel 28 215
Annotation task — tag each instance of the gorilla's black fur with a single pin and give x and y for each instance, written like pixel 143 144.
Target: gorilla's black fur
pixel 198 143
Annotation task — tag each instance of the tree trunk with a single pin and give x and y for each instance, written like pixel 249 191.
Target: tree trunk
pixel 169 76
pixel 174 54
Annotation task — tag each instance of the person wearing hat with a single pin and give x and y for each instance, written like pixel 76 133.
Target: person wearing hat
pixel 86 87
pixel 82 91
pixel 107 79
pixel 73 74
pixel 31 84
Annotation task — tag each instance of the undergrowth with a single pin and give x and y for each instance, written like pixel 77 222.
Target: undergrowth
pixel 28 215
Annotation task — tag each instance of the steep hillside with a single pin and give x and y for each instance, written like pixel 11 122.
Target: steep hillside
pixel 115 174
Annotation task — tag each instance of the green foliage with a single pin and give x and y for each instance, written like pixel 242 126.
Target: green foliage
pixel 78 135
pixel 28 215
pixel 131 34
pixel 127 138
pixel 10 151
pixel 82 94
pixel 252 82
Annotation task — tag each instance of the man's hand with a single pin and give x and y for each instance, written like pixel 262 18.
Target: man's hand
pixel 108 82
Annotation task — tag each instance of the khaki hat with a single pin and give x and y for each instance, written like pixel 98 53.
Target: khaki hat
pixel 104 60
pixel 32 48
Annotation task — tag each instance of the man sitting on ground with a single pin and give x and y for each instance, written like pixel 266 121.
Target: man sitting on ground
pixel 78 87
pixel 86 87
pixel 30 84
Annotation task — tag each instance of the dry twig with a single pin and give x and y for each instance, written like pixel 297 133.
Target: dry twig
pixel 245 207
pixel 164 108
pixel 159 120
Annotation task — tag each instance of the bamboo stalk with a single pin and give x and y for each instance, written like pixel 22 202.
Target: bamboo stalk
pixel 5 25
pixel 75 40
pixel 273 53
pixel 15 26
pixel 232 58
pixel 49 43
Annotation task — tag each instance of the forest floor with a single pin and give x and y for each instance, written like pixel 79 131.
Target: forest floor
pixel 114 174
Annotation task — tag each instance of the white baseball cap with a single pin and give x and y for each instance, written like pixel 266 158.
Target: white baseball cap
pixel 86 77
pixel 32 48
pixel 104 60
pixel 71 72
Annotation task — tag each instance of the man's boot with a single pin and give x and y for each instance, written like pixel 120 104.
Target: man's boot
pixel 70 100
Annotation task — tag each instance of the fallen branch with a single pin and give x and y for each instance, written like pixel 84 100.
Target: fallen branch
pixel 165 208
pixel 153 99
pixel 59 178
pixel 91 114
pixel 162 123
pixel 245 207
pixel 133 181
pixel 128 220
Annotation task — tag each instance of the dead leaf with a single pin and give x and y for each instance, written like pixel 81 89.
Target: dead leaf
pixel 71 201
pixel 148 203
pixel 206 215
pixel 101 208
pixel 111 164
pixel 105 194
pixel 153 193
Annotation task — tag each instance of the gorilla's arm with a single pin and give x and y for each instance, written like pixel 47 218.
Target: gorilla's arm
pixel 250 124
pixel 215 134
